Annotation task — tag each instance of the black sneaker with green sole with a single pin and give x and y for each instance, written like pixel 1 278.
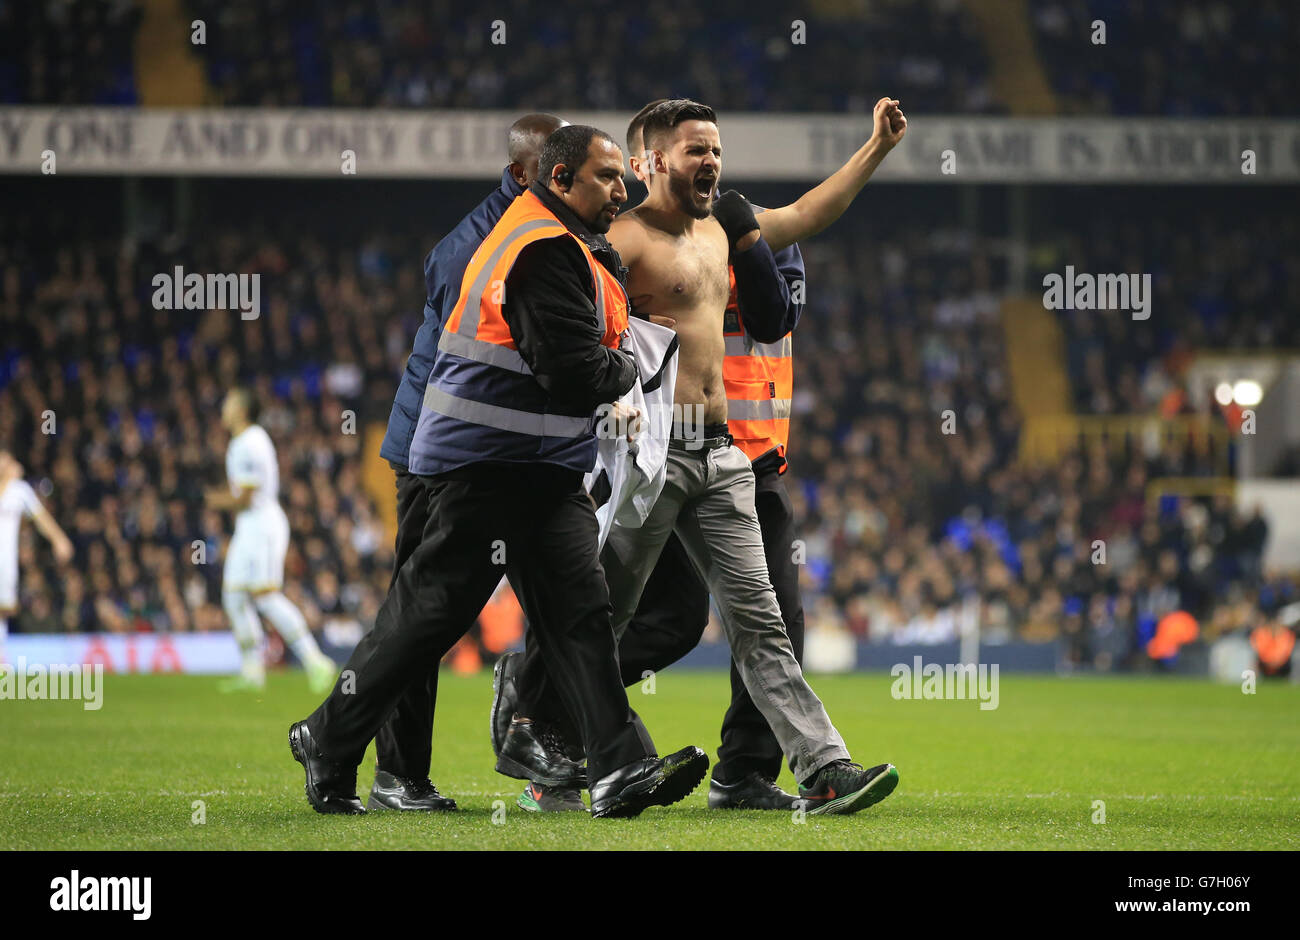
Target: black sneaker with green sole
pixel 842 787
pixel 539 798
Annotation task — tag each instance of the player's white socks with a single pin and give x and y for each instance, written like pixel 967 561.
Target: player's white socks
pixel 292 627
pixel 248 634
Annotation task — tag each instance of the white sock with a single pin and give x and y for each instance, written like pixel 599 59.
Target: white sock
pixel 248 633
pixel 292 627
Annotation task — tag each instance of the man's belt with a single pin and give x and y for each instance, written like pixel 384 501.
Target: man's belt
pixel 698 445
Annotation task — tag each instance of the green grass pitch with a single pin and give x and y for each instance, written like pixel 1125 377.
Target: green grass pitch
pixel 1179 764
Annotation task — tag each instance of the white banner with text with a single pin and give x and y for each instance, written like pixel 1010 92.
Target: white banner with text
pixel 43 141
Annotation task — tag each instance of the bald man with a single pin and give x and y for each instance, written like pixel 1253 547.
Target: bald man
pixel 404 743
pixel 524 145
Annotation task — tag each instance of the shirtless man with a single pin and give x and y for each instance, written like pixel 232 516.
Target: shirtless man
pixel 674 286
pixel 676 251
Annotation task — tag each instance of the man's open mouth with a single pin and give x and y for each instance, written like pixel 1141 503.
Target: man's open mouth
pixel 704 185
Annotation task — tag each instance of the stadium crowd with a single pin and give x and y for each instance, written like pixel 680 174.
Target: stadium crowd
pixel 1194 57
pixel 1220 280
pixel 67 52
pixel 907 529
pixel 910 529
pixel 112 405
pixel 1197 57
pixel 731 53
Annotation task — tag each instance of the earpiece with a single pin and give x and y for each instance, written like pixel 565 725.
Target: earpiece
pixel 564 177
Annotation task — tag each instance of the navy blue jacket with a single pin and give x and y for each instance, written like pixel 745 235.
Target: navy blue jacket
pixel 765 285
pixel 444 269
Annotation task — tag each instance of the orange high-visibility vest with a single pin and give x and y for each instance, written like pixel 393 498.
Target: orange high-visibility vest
pixel 759 381
pixel 1173 630
pixel 482 401
pixel 1273 649
pixel 501 622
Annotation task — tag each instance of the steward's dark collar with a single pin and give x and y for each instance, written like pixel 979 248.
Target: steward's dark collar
pixel 566 215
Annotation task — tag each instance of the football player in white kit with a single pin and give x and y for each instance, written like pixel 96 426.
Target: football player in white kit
pixel 253 575
pixel 19 501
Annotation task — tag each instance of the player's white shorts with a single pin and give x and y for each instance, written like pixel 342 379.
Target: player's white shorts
pixel 255 555
pixel 8 584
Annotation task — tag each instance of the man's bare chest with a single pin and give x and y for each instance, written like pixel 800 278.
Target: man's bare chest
pixel 681 273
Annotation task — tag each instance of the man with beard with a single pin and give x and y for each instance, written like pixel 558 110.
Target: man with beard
pixel 677 249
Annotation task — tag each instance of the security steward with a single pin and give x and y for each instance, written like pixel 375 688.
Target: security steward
pixel 506 433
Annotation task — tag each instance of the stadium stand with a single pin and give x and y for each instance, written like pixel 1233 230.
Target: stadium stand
pixel 1205 57
pixel 905 526
pixel 935 55
pixel 68 52
pixel 402 54
pixel 135 393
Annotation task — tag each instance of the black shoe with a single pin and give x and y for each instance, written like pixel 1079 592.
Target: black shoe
pixel 844 787
pixel 503 697
pixel 331 788
pixel 539 798
pixel 650 781
pixel 754 791
pixel 393 792
pixel 535 753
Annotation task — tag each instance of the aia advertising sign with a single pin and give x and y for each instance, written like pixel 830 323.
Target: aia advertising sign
pixel 191 653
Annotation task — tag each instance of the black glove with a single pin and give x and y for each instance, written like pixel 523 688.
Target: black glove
pixel 735 215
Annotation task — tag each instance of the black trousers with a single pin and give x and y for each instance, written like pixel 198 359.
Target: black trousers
pixel 404 745
pixel 541 518
pixel 669 621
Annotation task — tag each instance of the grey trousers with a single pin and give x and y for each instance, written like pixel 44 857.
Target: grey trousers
pixel 708 498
